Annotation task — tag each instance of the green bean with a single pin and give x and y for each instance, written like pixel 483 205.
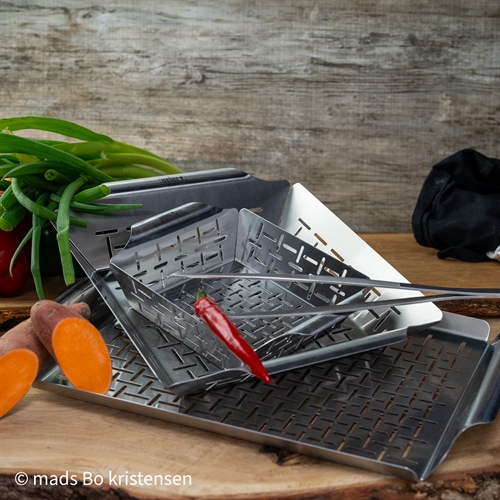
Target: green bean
pixel 34 233
pixel 8 198
pixel 4 169
pixel 92 150
pixel 25 240
pixel 47 174
pixel 54 204
pixel 129 172
pixel 37 224
pixel 39 183
pixel 37 167
pixel 25 158
pixel 49 142
pixel 63 230
pixel 63 168
pixel 35 256
pixel 8 159
pixel 40 210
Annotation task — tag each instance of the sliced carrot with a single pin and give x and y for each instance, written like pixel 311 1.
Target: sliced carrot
pixel 18 371
pixel 82 355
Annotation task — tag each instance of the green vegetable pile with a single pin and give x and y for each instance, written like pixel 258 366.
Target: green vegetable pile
pixel 50 177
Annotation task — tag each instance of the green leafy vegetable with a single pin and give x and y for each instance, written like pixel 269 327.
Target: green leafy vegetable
pixel 50 177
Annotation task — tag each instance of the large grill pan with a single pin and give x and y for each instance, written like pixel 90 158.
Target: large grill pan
pixel 396 409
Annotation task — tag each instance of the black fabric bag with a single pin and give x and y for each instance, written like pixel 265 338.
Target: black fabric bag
pixel 458 209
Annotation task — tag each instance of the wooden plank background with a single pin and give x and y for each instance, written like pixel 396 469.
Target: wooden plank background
pixel 355 99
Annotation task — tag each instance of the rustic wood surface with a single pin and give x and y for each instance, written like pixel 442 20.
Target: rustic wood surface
pixel 355 99
pixel 51 434
pixel 15 309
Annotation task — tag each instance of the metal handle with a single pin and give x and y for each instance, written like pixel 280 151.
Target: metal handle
pixel 349 307
pixel 148 183
pixel 172 220
pixel 339 280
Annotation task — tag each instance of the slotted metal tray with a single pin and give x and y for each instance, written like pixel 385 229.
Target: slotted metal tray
pixel 201 238
pixel 397 409
pixel 295 211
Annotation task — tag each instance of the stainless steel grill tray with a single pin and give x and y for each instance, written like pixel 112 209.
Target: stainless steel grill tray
pixel 225 188
pixel 200 238
pixel 397 409
pixel 295 211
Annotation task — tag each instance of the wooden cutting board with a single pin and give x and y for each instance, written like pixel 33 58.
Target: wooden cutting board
pixel 60 437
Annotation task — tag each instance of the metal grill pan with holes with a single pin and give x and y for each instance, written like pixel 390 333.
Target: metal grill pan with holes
pixel 295 211
pixel 397 409
pixel 200 238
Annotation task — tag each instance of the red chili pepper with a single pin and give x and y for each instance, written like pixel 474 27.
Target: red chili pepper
pixel 206 309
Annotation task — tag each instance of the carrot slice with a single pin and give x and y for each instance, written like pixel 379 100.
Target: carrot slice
pixel 18 371
pixel 82 355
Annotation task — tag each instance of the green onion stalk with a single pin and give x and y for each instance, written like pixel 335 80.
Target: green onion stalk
pixel 54 180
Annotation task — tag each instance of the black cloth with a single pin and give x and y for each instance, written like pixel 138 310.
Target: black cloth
pixel 458 209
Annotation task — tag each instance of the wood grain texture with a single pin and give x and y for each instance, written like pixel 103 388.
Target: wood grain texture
pixel 355 99
pixel 473 307
pixel 16 309
pixel 90 440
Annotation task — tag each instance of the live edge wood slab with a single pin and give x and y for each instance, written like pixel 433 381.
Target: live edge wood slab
pixel 57 436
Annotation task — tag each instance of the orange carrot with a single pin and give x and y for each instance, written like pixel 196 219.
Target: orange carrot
pixel 18 370
pixel 82 355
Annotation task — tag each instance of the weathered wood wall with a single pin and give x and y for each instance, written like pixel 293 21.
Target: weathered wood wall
pixel 356 99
